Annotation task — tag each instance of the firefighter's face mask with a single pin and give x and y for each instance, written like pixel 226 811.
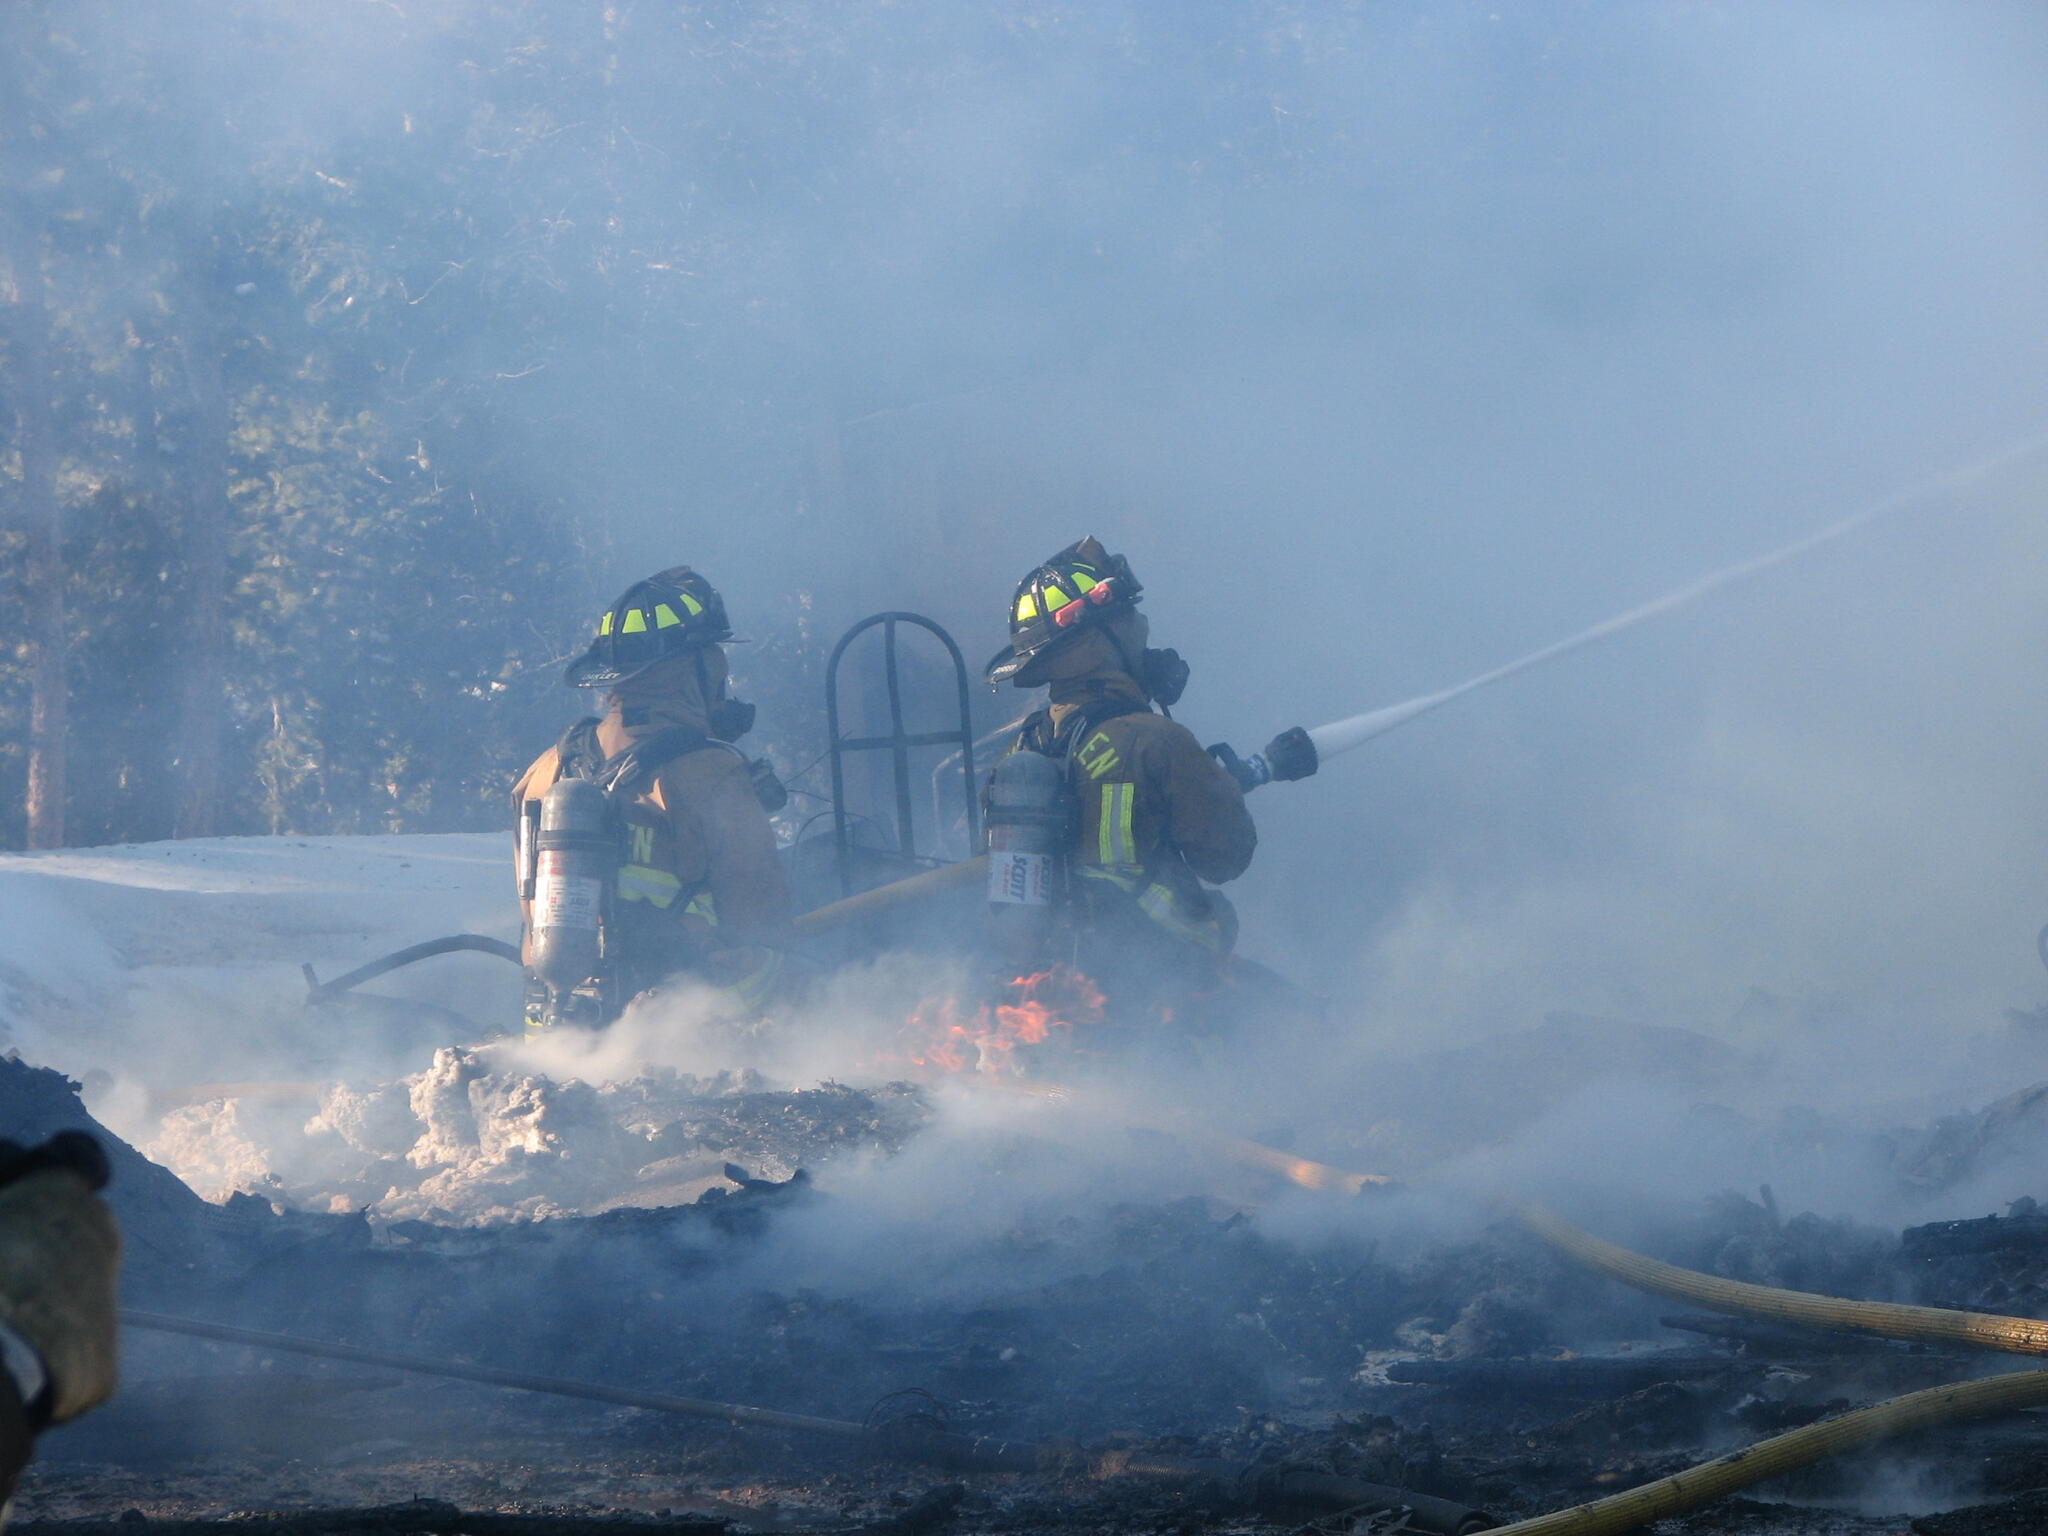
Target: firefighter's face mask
pixel 1163 675
pixel 725 717
pixel 730 719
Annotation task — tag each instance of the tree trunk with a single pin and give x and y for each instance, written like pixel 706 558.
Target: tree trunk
pixel 202 690
pixel 43 527
pixel 28 381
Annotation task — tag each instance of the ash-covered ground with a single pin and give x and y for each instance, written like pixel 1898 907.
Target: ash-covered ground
pixel 819 1225
pixel 1469 1362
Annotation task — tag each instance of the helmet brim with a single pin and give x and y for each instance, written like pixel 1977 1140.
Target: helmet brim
pixel 590 670
pixel 1004 665
pixel 594 669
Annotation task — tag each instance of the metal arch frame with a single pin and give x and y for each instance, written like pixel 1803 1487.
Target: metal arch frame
pixel 898 742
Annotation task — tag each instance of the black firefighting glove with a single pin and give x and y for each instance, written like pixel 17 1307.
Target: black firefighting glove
pixel 59 1251
pixel 1245 774
pixel 1290 755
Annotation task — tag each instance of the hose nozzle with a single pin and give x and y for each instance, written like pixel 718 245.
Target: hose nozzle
pixel 1290 755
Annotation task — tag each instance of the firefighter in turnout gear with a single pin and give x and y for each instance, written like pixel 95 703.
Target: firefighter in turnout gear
pixel 644 846
pixel 60 1253
pixel 1154 816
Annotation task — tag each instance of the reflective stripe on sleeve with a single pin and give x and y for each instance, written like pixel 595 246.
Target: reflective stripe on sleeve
pixel 1159 903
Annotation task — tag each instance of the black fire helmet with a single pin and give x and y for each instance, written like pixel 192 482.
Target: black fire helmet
pixel 666 615
pixel 1082 585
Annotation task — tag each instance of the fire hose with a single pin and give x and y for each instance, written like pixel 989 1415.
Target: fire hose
pixel 1303 1171
pixel 918 1438
pixel 919 1442
pixel 885 898
pixel 1885 1319
pixel 924 1440
pixel 318 991
pixel 1624 1511
pixel 834 915
pixel 1728 1474
pixel 1954 1403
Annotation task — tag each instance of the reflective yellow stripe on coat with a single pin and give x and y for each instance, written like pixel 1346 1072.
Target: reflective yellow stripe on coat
pixel 1116 839
pixel 643 882
pixel 659 888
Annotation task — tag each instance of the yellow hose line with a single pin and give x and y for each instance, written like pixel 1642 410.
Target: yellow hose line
pixel 1768 1458
pixel 1306 1172
pixel 886 898
pixel 1716 1479
pixel 1887 1319
pixel 1782 1453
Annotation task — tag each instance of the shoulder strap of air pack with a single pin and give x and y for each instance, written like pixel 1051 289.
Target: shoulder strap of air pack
pixel 577 754
pixel 622 776
pixel 1039 736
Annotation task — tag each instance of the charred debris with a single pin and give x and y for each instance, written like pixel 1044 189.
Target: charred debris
pixel 1159 1366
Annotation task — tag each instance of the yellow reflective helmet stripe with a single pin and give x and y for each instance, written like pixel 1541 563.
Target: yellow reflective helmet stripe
pixel 665 617
pixel 1056 598
pixel 691 604
pixel 636 622
pixel 1027 608
pixel 1083 582
pixel 604 625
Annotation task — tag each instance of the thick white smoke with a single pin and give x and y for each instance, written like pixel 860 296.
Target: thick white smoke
pixel 1431 336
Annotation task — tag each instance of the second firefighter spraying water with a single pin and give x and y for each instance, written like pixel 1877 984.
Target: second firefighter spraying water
pixel 1109 825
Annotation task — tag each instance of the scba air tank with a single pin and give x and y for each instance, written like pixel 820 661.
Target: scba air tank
pixel 1028 827
pixel 576 862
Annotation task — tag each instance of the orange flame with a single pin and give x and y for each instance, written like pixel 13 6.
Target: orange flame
pixel 937 1035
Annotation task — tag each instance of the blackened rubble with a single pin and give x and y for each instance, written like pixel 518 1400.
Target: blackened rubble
pixel 414 1515
pixel 1486 1371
